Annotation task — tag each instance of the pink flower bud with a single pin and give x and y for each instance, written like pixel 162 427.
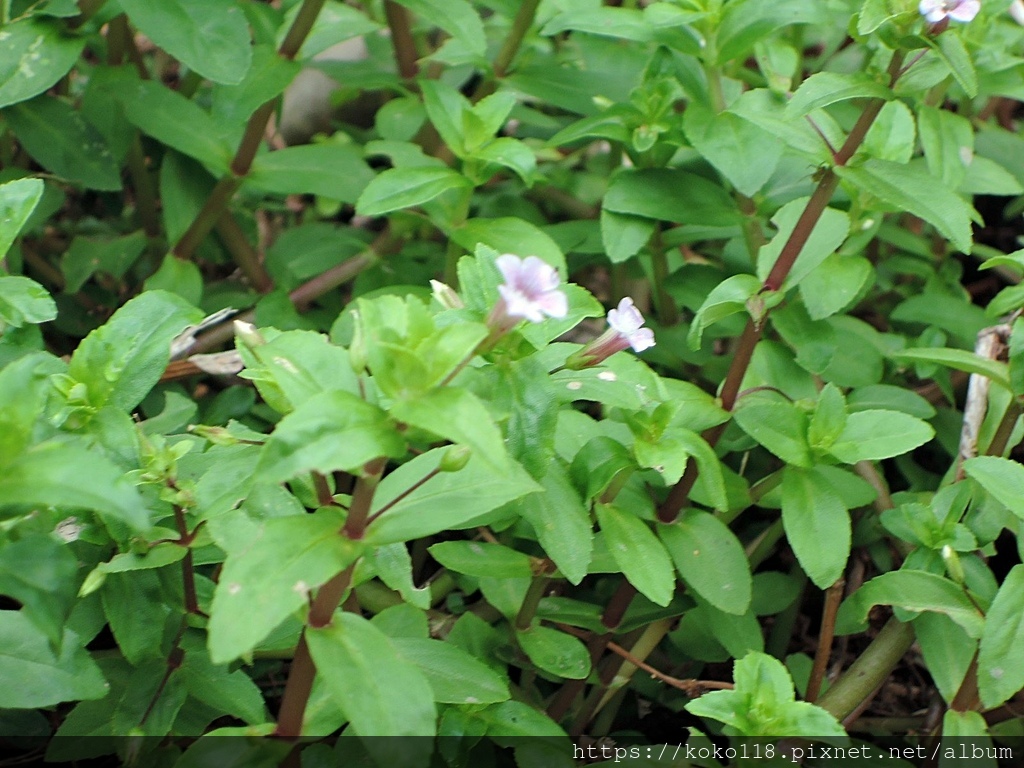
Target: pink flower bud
pixel 957 10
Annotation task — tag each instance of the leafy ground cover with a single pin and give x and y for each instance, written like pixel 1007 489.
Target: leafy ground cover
pixel 606 376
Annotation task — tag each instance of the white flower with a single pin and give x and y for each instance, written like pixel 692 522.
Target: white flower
pixel 627 320
pixel 958 10
pixel 530 290
pixel 625 330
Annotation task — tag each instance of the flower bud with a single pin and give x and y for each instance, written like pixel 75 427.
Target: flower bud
pixel 248 335
pixel 357 347
pixel 455 458
pixel 954 567
pixel 446 296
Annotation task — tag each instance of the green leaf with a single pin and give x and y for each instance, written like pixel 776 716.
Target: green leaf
pixel 266 79
pixel 36 677
pixel 876 434
pixel 60 140
pixel 872 15
pixel 209 36
pixel 515 718
pixel 460 416
pixel 710 560
pixel 741 151
pixel 179 123
pixel 40 572
pixel 399 188
pixel 727 298
pixel 948 141
pixel 455 676
pixel 445 500
pixel 179 277
pixel 779 426
pixel 335 23
pixel 509 153
pixel 53 474
pixel 958 359
pixel 483 560
pixel 915 191
pixel 817 525
pixel 24 301
pixel 38 53
pixel 87 256
pixel 329 432
pixel 336 171
pixel 393 565
pixel 623 235
pixel 671 195
pixel 456 17
pixel 447 109
pixel 264 582
pixel 1001 658
pixel 951 48
pixel 637 551
pixel 912 591
pixel 947 650
pixel 17 201
pixel 350 654
pixel 232 693
pixel 123 359
pixel 555 652
pixel 829 418
pixel 510 235
pixel 834 284
pixel 1003 478
pixel 824 88
pixel 562 523
pixel 829 233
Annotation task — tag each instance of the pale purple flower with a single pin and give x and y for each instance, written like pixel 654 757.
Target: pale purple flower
pixel 628 322
pixel 530 290
pixel 625 329
pixel 958 10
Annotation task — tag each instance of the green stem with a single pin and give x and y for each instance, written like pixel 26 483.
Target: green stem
pixel 665 305
pixel 145 192
pixel 520 26
pixel 1001 438
pixel 869 671
pixel 300 28
pixel 524 619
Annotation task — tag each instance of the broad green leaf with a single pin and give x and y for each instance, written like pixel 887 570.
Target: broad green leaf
pixel 60 475
pixel 824 88
pixel 710 560
pixel 458 415
pixel 399 188
pixel 892 135
pixel 828 419
pixel 60 140
pixel 638 553
pixel 958 359
pixel 40 572
pixel 951 48
pixel 872 435
pixel 907 188
pixel 123 359
pixel 624 235
pixel 38 53
pixel 741 151
pixel 873 14
pixel 272 577
pixel 17 201
pixel 744 22
pixel 562 523
pixel 912 591
pixel 890 398
pixel 336 171
pixel 442 501
pixel 335 23
pixel 555 652
pixel 447 109
pixel 329 432
pixel 179 277
pixel 350 653
pixel 1001 658
pixel 456 17
pixel 947 651
pixel 179 123
pixel 231 692
pixel 516 718
pixel 624 23
pixel 510 235
pixel 509 153
pixel 817 525
pixel 393 565
pixel 828 234
pixel 834 284
pixel 779 426
pixel 36 677
pixel 1003 478
pixel 209 36
pixel 455 676
pixel 87 256
pixel 948 142
pixel 727 298
pixel 267 78
pixel 671 195
pixel 482 559
pixel 24 301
